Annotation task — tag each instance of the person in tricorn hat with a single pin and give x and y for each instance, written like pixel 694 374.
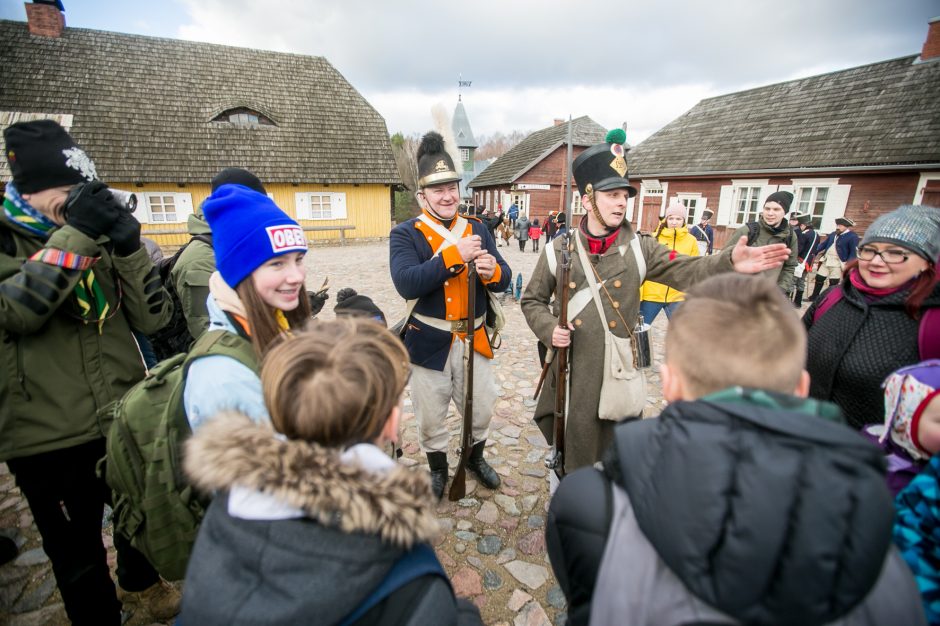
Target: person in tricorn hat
pixel 616 255
pixel 832 255
pixel 807 241
pixel 704 233
pixel 428 258
pixel 74 281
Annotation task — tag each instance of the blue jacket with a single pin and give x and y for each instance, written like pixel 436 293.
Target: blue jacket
pixel 706 234
pixel 513 212
pixel 917 534
pixel 846 244
pixel 220 383
pixel 418 274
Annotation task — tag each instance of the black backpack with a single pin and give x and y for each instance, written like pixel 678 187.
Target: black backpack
pixel 174 338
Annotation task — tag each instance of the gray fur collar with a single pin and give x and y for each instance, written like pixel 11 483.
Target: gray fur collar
pixel 231 450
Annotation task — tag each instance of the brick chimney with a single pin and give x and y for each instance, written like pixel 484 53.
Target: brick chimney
pixel 45 19
pixel 558 122
pixel 931 49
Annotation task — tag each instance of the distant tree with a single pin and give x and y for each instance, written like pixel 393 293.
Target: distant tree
pixel 497 144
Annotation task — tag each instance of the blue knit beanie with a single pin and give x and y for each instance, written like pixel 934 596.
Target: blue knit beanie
pixel 247 230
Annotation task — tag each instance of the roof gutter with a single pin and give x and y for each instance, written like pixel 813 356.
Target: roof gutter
pixel 799 170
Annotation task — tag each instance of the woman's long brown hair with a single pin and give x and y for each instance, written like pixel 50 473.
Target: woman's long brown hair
pixel 261 320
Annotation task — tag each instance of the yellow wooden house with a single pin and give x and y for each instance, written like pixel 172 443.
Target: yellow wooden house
pixel 161 117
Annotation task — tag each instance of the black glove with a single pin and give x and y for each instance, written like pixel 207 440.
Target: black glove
pixel 125 234
pixel 91 209
pixel 317 300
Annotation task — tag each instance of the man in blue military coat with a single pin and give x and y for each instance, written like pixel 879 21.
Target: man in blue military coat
pixel 428 262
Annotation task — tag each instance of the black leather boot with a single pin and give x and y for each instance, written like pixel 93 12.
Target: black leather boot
pixel 480 468
pixel 817 288
pixel 438 463
pixel 798 299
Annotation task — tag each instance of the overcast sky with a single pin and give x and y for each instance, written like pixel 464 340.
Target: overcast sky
pixel 641 62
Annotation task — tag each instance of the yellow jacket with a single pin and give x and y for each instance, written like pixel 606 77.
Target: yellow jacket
pixel 682 242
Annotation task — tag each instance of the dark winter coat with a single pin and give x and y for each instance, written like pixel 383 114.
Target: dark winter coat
pixel 744 508
pixel 917 534
pixel 315 569
pixel 61 376
pixel 855 344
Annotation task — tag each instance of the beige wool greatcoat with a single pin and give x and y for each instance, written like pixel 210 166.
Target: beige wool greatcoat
pixel 587 437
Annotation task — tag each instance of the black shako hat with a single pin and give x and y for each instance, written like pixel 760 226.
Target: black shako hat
pixel 435 167
pixel 603 167
pixel 42 155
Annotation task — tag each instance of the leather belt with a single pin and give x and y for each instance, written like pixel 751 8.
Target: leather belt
pixel 450 326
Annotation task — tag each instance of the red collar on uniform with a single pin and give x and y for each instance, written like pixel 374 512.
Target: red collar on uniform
pixel 598 245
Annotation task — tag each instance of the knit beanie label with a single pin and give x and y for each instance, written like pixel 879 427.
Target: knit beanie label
pixel 286 238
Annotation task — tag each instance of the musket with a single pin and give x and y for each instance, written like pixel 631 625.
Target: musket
pixel 556 461
pixel 458 488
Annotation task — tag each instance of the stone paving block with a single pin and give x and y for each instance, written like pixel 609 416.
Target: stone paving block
pixel 531 575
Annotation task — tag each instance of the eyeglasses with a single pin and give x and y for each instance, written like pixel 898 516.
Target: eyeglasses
pixel 891 257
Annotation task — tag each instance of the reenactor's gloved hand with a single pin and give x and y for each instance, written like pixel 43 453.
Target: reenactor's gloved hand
pixel 318 298
pixel 91 209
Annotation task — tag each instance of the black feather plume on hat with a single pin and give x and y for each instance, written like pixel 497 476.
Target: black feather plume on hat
pixel 431 143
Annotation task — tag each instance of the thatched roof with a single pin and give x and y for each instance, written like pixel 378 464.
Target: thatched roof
pixel 143 107
pixel 886 114
pixel 528 152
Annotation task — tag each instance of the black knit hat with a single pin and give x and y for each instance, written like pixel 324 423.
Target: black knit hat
pixel 603 167
pixel 351 304
pixel 435 167
pixel 238 176
pixel 783 198
pixel 42 155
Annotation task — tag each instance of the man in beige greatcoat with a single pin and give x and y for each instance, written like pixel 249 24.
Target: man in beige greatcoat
pixel 607 239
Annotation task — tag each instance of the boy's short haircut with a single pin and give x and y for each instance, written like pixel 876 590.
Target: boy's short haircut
pixel 740 330
pixel 336 383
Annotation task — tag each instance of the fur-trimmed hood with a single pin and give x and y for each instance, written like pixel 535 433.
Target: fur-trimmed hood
pixel 230 450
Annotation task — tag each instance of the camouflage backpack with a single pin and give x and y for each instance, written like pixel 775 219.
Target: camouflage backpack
pixel 154 506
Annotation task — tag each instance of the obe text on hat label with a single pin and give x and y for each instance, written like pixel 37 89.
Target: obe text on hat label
pixel 286 238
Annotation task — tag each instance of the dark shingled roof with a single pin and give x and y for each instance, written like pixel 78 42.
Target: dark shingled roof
pixel 521 157
pixel 142 107
pixel 886 113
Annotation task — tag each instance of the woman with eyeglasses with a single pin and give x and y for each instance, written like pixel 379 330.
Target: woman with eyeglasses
pixel 872 322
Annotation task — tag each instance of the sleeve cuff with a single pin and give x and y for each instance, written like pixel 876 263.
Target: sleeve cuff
pixel 497 275
pixel 453 262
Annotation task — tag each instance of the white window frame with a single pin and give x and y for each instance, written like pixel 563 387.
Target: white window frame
pixel 739 191
pixel 922 186
pixel 305 201
pixel 465 154
pixel 183 203
pixel 694 204
pixel 576 207
pixel 837 198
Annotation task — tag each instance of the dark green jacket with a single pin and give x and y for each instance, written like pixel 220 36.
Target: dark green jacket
pixel 60 377
pixel 765 236
pixel 190 277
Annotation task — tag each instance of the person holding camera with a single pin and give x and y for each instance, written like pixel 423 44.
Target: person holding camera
pixel 74 281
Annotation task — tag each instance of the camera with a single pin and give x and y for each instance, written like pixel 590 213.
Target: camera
pixel 126 199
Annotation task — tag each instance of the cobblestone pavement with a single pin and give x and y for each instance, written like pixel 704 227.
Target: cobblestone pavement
pixel 492 543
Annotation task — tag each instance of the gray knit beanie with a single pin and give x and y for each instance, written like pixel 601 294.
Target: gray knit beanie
pixel 912 226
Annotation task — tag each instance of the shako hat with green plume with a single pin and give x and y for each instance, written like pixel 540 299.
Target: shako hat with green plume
pixel 435 166
pixel 603 167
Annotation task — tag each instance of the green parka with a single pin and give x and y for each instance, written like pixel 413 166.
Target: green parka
pixel 783 276
pixel 191 274
pixel 60 377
